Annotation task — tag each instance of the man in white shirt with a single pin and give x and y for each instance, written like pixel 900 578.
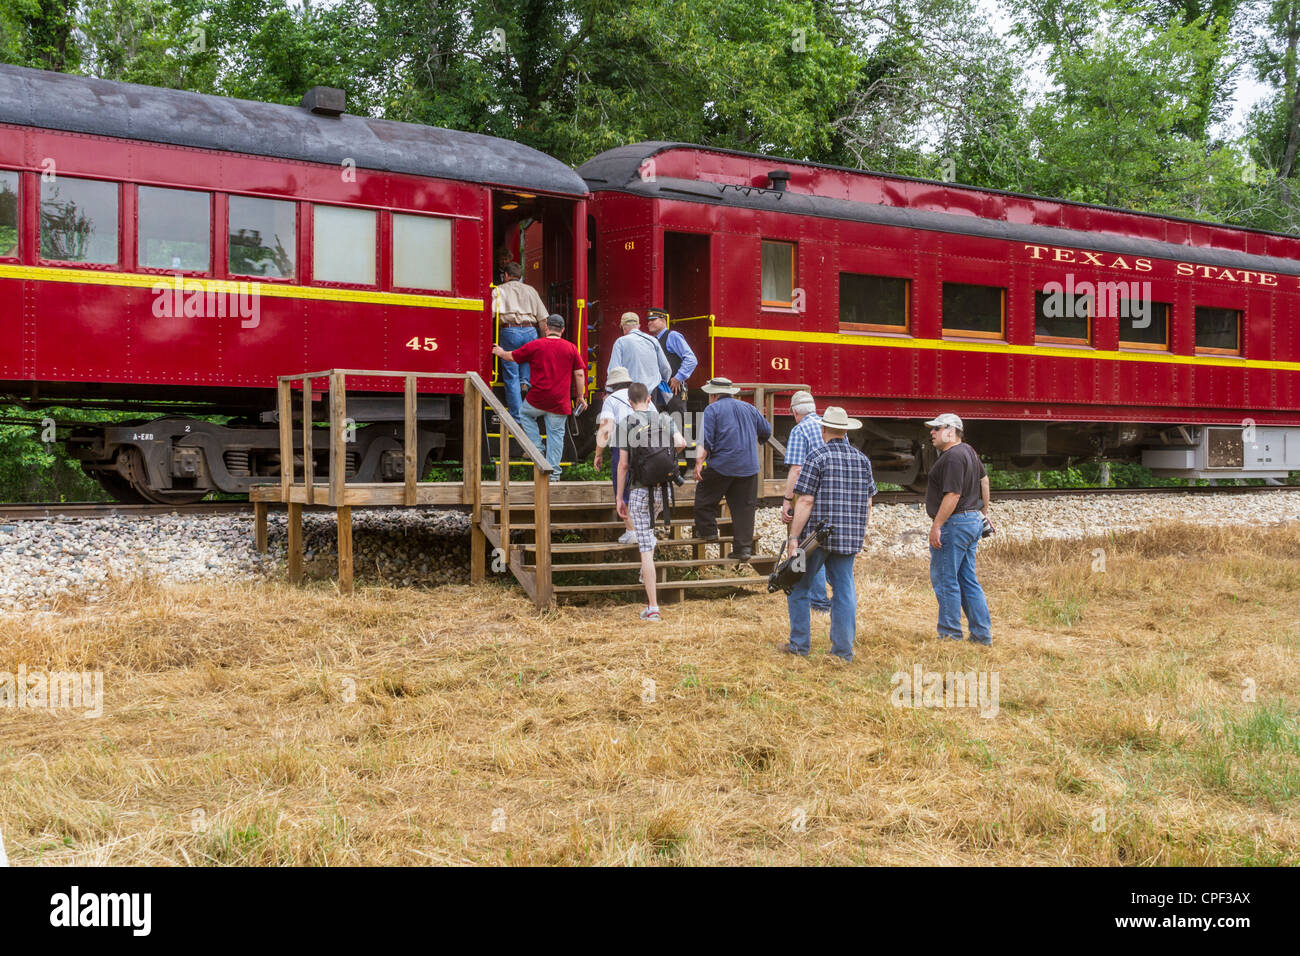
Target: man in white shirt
pixel 640 354
pixel 521 312
pixel 613 410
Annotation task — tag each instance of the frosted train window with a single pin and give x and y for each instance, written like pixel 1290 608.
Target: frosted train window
pixel 174 229
pixel 421 252
pixel 343 245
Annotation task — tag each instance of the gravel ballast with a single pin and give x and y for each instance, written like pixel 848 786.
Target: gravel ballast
pixel 405 547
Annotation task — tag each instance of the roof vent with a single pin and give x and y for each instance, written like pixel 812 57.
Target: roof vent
pixel 778 179
pixel 325 100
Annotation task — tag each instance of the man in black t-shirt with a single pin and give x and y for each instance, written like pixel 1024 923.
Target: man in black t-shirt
pixel 957 494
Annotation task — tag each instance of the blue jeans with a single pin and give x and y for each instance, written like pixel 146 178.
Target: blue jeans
pixel 952 573
pixel 817 596
pixel 613 474
pixel 838 568
pixel 554 434
pixel 512 373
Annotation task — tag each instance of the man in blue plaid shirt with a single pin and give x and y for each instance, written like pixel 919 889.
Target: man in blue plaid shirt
pixel 835 485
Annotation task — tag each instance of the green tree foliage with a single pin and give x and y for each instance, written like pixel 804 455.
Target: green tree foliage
pixel 34 469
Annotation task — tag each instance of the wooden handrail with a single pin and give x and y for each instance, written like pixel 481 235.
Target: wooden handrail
pixel 516 430
pixel 772 386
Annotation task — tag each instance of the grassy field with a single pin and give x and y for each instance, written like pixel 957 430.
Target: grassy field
pixel 1147 714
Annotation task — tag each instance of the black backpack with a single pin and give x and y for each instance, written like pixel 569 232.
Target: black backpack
pixel 652 459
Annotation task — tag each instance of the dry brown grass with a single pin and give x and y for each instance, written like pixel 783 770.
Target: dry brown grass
pixel 1120 692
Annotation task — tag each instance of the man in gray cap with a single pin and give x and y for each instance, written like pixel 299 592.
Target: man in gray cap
pixel 805 437
pixel 836 486
pixel 726 465
pixel 558 368
pixel 955 496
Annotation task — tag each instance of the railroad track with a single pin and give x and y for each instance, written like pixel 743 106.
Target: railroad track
pixel 94 509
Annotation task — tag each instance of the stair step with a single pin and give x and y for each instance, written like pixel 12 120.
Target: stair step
pixel 661 585
pixel 760 559
pixel 601 525
pixel 587 547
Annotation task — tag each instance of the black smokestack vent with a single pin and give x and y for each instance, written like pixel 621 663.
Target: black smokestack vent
pixel 325 100
pixel 779 178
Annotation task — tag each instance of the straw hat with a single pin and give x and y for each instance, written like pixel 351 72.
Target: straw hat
pixel 835 419
pixel 616 378
pixel 720 386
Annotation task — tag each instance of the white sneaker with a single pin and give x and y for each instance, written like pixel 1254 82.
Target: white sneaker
pixel 650 614
pixel 627 537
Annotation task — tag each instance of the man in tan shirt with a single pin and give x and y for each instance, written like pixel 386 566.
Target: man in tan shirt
pixel 519 310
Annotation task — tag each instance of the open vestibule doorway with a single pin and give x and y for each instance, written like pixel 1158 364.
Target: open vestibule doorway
pixel 546 235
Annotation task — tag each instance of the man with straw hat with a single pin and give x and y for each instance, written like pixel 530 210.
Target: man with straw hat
pixel 836 486
pixel 726 465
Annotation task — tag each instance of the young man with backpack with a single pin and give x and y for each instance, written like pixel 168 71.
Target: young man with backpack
pixel 647 463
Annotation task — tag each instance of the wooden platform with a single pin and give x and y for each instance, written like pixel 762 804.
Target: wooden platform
pixel 564 495
pixel 523 547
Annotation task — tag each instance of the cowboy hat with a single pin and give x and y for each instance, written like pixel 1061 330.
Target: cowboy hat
pixel 616 377
pixel 720 386
pixel 836 420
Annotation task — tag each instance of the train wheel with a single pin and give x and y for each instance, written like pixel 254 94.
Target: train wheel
pixel 139 484
pixel 118 488
pixel 928 456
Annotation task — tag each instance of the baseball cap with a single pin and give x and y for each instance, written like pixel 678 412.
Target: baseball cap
pixel 945 420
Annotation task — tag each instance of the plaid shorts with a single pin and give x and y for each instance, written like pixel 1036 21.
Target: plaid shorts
pixel 638 509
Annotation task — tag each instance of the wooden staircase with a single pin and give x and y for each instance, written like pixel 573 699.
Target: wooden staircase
pixel 559 540
pixel 585 557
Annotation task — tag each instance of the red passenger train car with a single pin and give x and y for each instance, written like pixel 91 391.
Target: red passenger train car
pixel 1057 330
pixel 170 251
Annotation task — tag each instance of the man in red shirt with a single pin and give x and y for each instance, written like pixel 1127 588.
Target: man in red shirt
pixel 552 359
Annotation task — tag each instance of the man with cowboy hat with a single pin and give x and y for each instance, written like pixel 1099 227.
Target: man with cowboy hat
pixel 726 465
pixel 836 486
pixel 616 407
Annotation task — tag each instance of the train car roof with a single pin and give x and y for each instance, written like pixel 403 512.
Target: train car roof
pixel 619 169
pixel 81 104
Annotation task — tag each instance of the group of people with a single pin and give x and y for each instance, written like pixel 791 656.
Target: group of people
pixel 829 485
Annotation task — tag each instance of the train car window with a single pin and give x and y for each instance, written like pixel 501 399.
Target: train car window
pixel 1218 330
pixel 778 273
pixel 421 252
pixel 1144 325
pixel 978 310
pixel 343 245
pixel 873 302
pixel 79 220
pixel 174 229
pixel 1062 317
pixel 263 237
pixel 8 213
